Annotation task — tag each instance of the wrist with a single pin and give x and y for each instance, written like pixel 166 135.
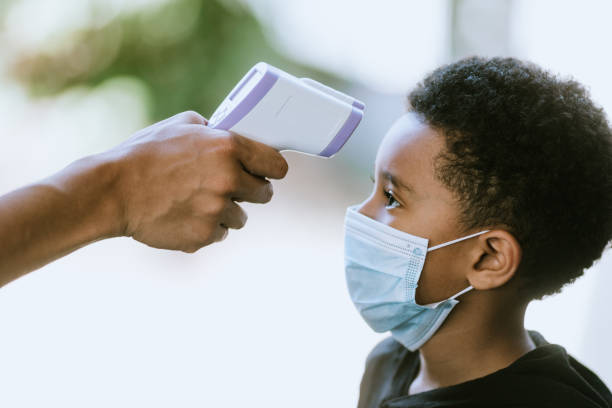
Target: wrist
pixel 90 186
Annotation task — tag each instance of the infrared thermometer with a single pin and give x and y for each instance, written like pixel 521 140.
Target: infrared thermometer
pixel 288 113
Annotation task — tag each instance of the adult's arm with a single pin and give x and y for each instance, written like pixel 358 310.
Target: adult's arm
pixel 173 185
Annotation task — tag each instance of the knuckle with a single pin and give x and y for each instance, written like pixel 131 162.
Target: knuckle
pixel 227 183
pixel 193 117
pixel 231 144
pixel 206 236
pixel 216 207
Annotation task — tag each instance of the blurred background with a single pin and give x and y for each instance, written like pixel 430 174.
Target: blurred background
pixel 263 318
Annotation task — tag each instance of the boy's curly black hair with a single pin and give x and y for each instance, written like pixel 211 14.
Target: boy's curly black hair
pixel 529 151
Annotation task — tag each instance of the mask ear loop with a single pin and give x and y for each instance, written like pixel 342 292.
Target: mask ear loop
pixel 434 305
pixel 456 240
pixel 462 292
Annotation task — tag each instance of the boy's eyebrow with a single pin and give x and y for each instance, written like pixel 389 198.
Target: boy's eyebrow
pixel 396 181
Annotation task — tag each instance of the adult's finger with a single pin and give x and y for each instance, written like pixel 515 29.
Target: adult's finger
pixel 260 159
pixel 233 216
pixel 252 188
pixel 187 117
pixel 220 233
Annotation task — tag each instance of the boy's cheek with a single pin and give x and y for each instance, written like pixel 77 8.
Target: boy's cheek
pixel 441 277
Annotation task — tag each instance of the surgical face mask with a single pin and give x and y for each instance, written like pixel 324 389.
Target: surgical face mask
pixel 383 266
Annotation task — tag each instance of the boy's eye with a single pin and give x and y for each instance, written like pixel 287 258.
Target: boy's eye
pixel 391 201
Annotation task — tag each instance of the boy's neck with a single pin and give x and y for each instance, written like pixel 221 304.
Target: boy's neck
pixel 472 344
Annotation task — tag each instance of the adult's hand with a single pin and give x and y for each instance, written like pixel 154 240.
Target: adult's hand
pixel 172 185
pixel 180 180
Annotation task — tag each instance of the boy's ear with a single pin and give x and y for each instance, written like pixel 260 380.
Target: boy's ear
pixel 496 257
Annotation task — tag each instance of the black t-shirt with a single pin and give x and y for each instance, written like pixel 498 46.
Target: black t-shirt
pixel 544 377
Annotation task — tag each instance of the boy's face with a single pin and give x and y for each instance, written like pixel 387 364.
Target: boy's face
pixel 407 196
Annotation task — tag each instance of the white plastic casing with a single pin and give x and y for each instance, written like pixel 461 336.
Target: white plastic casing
pixel 288 113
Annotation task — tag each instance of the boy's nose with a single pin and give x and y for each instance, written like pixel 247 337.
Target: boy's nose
pixel 368 207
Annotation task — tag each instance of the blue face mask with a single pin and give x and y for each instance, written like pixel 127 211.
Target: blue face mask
pixel 383 266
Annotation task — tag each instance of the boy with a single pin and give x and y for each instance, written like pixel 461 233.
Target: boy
pixel 494 189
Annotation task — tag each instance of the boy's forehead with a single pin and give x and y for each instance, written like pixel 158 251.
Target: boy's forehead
pixel 409 142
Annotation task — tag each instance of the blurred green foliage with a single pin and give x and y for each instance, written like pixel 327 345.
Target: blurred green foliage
pixel 189 53
pixel 4 6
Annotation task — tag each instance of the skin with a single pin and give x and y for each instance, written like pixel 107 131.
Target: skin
pixel 172 185
pixel 484 332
